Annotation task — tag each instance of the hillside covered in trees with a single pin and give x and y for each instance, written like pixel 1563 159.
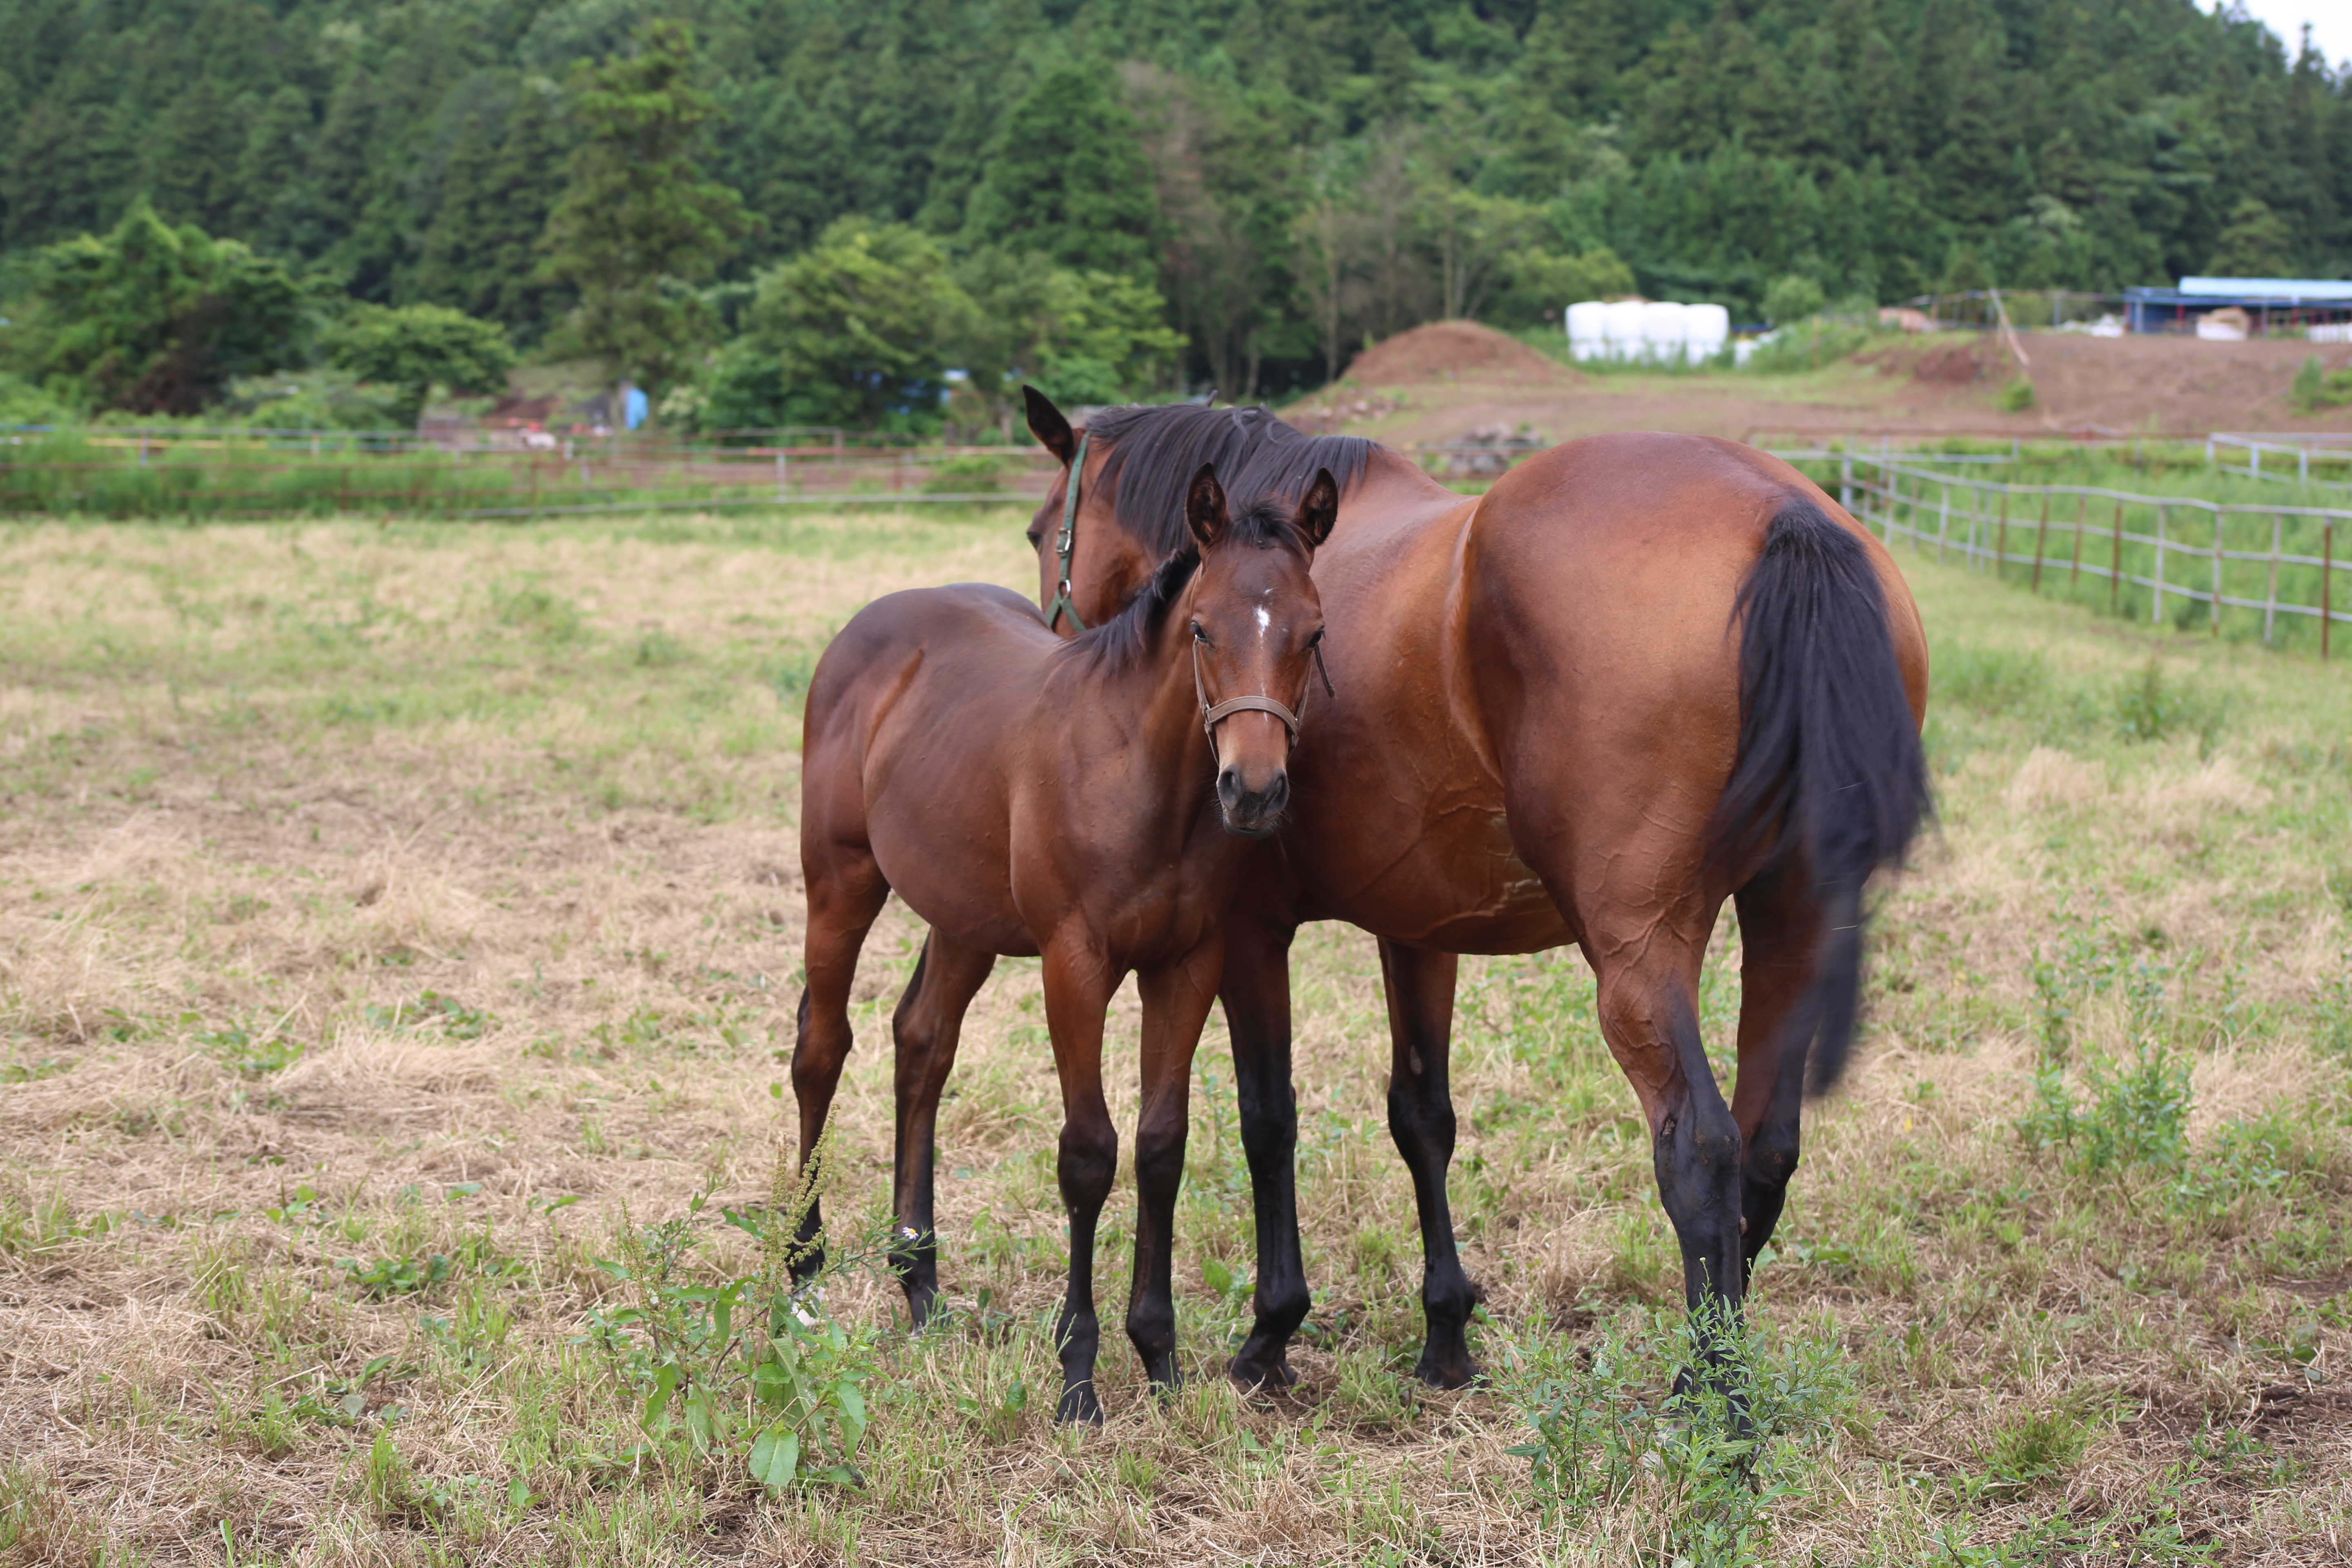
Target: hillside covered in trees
pixel 1137 193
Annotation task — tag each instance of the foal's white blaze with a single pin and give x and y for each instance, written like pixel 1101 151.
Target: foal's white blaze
pixel 1264 621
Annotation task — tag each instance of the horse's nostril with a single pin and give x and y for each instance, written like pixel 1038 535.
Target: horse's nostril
pixel 1277 792
pixel 1229 786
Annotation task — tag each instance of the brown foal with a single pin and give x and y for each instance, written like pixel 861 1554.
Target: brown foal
pixel 1641 674
pixel 1090 801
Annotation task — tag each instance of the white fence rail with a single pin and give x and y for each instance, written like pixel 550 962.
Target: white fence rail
pixel 2278 560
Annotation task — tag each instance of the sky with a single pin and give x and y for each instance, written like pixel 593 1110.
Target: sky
pixel 2331 24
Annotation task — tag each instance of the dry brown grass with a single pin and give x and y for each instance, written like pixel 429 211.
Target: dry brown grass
pixel 441 875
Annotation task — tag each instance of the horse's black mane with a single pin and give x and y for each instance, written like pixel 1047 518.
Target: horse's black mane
pixel 1156 448
pixel 1125 638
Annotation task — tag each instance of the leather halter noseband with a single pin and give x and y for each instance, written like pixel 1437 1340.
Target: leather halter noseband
pixel 1211 717
pixel 1062 602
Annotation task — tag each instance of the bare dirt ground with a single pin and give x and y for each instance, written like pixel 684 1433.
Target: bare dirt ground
pixel 1436 383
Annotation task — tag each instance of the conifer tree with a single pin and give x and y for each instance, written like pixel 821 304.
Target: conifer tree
pixel 638 225
pixel 1067 179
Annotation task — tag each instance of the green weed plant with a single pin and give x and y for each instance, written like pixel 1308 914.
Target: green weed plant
pixel 1711 1459
pixel 744 1369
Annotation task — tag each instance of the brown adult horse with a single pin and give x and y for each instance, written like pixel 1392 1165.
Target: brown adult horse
pixel 1639 675
pixel 1028 797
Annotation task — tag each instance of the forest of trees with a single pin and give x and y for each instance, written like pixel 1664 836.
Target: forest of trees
pixel 846 198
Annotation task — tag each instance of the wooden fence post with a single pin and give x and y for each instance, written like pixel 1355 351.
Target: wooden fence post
pixel 2082 515
pixel 2155 602
pixel 2327 581
pixel 2001 546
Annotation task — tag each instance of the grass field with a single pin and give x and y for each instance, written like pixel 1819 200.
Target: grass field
pixel 398 929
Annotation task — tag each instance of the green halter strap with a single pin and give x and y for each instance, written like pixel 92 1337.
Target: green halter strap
pixel 1063 603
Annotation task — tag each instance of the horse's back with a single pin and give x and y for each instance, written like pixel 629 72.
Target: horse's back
pixel 1622 538
pixel 913 720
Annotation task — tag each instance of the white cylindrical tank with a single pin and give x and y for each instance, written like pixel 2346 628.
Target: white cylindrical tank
pixel 1622 320
pixel 1706 328
pixel 1588 331
pixel 1663 332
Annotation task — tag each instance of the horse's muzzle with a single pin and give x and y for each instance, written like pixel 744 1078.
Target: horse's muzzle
pixel 1252 813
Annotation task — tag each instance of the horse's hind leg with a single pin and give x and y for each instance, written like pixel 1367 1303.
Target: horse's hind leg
pixel 1779 932
pixel 1420 986
pixel 845 893
pixel 1649 1015
pixel 929 1022
pixel 1175 1005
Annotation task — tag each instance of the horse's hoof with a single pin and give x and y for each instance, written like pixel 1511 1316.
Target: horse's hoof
pixel 1080 1404
pixel 1447 1372
pixel 1253 1373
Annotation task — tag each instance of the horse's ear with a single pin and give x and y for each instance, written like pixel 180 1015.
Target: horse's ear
pixel 1204 506
pixel 1317 509
pixel 1046 423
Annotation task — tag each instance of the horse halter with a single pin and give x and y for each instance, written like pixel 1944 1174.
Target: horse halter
pixel 1062 602
pixel 1211 717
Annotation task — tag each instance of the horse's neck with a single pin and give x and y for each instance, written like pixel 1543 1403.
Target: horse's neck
pixel 1156 690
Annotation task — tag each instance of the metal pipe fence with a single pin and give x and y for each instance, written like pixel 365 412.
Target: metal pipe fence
pixel 2279 563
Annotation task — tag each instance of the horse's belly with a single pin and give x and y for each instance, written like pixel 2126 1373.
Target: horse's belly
pixel 968 898
pixel 1457 888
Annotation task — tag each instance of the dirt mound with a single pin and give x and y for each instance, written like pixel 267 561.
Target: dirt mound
pixel 2172 383
pixel 1455 351
pixel 1950 364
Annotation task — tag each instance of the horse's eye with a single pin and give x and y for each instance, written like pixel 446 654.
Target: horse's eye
pixel 1316 638
pixel 1199 635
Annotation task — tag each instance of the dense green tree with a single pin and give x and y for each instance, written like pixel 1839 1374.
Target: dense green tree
pixel 1080 336
pixel 2256 244
pixel 637 218
pixel 276 207
pixel 481 253
pixel 156 319
pixel 862 326
pixel 1067 179
pixel 1283 172
pixel 414 348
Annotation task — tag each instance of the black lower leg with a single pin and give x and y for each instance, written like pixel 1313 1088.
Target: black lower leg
pixel 1421 1120
pixel 1764 1176
pixel 1151 1304
pixel 1087 1165
pixel 1269 1119
pixel 1698 1155
pixel 808 1231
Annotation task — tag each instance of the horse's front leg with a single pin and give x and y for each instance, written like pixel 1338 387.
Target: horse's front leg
pixel 929 1022
pixel 1079 981
pixel 1175 1005
pixel 1255 989
pixel 1420 988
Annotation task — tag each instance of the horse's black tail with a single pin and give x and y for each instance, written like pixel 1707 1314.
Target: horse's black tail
pixel 1829 781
